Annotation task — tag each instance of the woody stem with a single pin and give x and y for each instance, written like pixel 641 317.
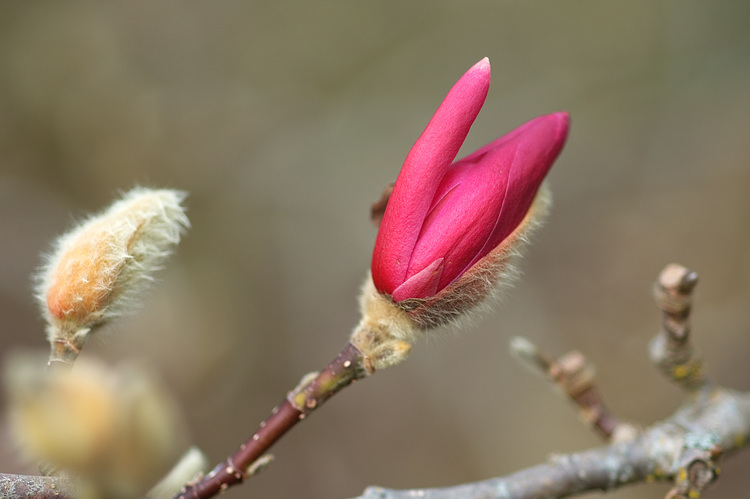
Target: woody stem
pixel 346 368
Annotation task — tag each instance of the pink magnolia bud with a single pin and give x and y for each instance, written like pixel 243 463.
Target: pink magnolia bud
pixel 444 217
pixel 450 227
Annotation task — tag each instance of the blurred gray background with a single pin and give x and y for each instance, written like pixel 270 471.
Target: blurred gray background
pixel 284 120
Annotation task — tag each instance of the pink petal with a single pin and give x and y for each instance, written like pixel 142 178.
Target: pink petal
pixel 535 147
pixel 422 284
pixel 484 197
pixel 465 221
pixel 421 175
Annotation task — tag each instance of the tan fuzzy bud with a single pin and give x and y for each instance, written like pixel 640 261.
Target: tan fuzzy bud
pixel 98 267
pixel 115 430
pixel 385 333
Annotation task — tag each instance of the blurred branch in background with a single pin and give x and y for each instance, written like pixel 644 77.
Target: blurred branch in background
pixel 685 448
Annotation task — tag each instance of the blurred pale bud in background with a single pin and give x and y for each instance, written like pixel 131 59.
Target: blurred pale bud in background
pixel 115 430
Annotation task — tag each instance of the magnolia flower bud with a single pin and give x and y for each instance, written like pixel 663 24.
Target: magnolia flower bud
pixel 115 430
pixel 450 228
pixel 97 269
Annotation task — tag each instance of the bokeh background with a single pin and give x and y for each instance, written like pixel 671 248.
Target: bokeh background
pixel 284 120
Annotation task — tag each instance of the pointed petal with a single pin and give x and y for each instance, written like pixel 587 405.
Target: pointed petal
pixel 485 196
pixel 422 284
pixel 465 220
pixel 534 147
pixel 421 174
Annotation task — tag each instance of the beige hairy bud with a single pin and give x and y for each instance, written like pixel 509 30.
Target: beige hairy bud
pixel 97 269
pixel 385 333
pixel 115 430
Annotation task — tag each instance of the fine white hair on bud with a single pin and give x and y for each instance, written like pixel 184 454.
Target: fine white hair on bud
pixel 97 269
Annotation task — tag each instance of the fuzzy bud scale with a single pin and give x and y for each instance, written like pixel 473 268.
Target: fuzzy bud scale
pixel 98 268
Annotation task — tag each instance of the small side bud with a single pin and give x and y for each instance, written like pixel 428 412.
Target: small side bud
pixel 385 333
pixel 529 355
pixel 98 268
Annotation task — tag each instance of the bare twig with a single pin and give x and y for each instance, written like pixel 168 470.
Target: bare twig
pixel 64 352
pixel 685 448
pixel 377 209
pixel 310 394
pixel 573 374
pixel 674 449
pixel 671 349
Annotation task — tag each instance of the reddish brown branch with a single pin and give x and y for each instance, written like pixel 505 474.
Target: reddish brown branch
pixel 377 209
pixel 311 394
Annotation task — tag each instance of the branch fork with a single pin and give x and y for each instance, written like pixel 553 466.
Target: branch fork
pixel 686 448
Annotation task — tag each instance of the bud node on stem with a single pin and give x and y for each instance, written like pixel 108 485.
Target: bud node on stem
pixel 385 333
